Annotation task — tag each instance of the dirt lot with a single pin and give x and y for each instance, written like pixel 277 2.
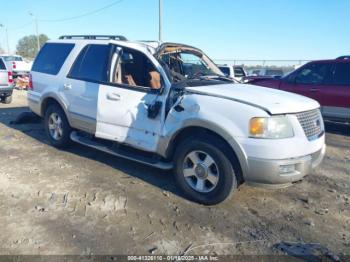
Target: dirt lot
pixel 81 201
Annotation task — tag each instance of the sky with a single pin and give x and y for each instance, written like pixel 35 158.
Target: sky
pixel 224 29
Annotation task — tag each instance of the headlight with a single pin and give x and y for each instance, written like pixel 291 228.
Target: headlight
pixel 274 127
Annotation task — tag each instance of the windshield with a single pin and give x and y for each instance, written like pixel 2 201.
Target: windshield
pixel 186 63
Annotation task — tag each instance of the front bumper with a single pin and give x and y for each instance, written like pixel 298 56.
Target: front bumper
pixel 282 173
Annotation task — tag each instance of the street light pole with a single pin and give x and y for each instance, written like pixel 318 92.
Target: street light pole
pixel 7 41
pixel 35 18
pixel 7 38
pixel 160 20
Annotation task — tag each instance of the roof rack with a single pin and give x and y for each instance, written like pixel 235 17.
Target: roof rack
pixel 95 37
pixel 345 57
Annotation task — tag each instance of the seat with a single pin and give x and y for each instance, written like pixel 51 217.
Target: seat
pixel 155 82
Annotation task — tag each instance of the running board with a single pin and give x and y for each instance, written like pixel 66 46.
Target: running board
pixel 149 161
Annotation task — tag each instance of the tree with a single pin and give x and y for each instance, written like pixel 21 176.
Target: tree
pixel 27 46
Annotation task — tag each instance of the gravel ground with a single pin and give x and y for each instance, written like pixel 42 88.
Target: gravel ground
pixel 81 201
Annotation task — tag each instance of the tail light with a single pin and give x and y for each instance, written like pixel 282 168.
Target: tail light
pixel 30 85
pixel 14 66
pixel 10 77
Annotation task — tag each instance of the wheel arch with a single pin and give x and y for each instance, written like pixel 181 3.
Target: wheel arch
pixel 235 152
pixel 49 100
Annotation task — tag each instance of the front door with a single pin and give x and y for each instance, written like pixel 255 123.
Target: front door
pixel 308 80
pixel 335 97
pixel 122 111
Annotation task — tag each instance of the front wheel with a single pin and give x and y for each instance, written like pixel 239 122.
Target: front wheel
pixel 57 127
pixel 204 172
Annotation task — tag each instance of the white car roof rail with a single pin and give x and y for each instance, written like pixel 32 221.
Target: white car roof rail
pixel 94 37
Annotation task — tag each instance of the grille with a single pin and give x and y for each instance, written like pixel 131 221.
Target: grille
pixel 312 123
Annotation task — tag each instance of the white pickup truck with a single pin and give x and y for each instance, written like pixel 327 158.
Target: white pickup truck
pixel 169 106
pixel 17 65
pixel 6 83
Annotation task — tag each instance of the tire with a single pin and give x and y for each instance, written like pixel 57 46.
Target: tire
pixel 7 100
pixel 214 191
pixel 57 127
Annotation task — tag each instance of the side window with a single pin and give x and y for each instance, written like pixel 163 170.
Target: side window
pixel 133 68
pixel 313 74
pixel 342 74
pixel 2 65
pixel 51 58
pixel 92 64
pixel 225 70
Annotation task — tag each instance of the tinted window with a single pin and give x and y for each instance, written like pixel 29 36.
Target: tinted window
pixel 225 70
pixel 342 74
pixel 313 74
pixel 2 65
pixel 12 58
pixel 92 63
pixel 239 72
pixel 51 58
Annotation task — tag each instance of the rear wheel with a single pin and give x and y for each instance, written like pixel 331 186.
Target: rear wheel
pixel 204 172
pixel 7 99
pixel 57 127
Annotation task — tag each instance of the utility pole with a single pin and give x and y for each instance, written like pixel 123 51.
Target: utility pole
pixel 160 20
pixel 7 38
pixel 35 19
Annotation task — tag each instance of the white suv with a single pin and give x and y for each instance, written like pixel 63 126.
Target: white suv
pixel 169 106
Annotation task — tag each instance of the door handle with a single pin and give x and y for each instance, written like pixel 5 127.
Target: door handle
pixel 67 86
pixel 113 96
pixel 314 89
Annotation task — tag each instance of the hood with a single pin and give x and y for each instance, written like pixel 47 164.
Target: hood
pixel 271 100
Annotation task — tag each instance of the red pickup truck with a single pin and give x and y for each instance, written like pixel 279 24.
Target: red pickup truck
pixel 327 81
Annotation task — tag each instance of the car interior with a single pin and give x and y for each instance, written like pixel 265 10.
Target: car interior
pixel 135 69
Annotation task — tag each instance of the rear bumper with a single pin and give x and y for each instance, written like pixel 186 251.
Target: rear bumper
pixel 6 91
pixel 282 173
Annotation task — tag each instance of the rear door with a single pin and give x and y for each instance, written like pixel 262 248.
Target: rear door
pixel 3 74
pixel 335 96
pixel 308 80
pixel 81 87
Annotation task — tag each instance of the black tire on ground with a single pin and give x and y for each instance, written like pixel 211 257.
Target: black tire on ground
pixel 7 100
pixel 227 171
pixel 64 139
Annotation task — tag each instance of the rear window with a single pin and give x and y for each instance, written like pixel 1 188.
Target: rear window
pixel 91 64
pixel 2 65
pixel 51 58
pixel 12 58
pixel 239 72
pixel 342 74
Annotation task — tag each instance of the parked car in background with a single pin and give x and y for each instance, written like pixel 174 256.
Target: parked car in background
pixel 6 83
pixel 327 81
pixel 266 72
pixel 17 65
pixel 169 106
pixel 235 72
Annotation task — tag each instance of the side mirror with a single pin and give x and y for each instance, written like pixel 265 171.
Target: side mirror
pixel 154 109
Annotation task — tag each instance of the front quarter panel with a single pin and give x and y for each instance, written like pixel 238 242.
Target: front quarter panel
pixel 227 118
